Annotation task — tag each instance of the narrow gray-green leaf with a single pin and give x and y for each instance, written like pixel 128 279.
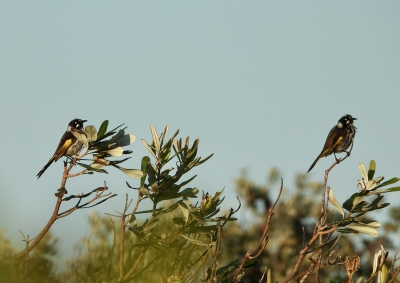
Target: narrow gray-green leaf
pixel 197 242
pixel 155 138
pixel 149 149
pixel 164 134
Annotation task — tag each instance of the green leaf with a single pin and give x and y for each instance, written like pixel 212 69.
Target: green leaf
pixel 348 204
pixel 333 201
pixel 372 168
pixel 91 133
pixel 61 192
pixel 103 129
pixel 143 168
pixel 126 140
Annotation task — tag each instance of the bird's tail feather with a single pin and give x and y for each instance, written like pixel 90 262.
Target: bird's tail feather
pixel 315 162
pixel 46 166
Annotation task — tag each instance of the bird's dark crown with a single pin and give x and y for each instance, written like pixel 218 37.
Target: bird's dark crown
pixel 77 123
pixel 346 120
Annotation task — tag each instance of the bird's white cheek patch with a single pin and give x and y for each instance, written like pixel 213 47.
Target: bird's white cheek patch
pixel 340 125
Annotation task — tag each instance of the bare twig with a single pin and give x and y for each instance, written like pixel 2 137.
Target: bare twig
pixel 252 254
pixel 134 266
pixel 263 274
pixel 213 268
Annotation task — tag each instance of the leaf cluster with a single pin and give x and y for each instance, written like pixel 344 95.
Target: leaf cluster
pixel 103 144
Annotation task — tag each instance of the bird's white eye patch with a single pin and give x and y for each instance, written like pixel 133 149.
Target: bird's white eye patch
pixel 340 125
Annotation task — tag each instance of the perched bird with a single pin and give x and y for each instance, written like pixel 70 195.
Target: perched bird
pixel 339 138
pixel 68 145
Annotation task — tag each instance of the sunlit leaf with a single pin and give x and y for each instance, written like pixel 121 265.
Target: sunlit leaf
pixel 81 136
pixel 382 275
pixel 149 149
pixel 372 168
pixel 91 133
pixel 363 229
pixel 370 223
pixel 100 163
pixel 144 192
pixel 164 134
pixel 155 138
pixel 333 201
pixel 363 171
pixel 133 173
pixel 115 152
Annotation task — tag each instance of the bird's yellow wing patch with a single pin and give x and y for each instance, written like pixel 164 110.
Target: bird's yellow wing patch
pixel 61 150
pixel 337 142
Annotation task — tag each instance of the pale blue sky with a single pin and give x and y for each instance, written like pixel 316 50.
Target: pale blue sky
pixel 261 83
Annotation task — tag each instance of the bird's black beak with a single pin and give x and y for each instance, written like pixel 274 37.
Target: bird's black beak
pixel 83 121
pixel 354 118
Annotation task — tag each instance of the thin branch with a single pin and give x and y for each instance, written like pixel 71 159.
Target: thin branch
pixel 39 237
pixel 122 239
pixel 135 265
